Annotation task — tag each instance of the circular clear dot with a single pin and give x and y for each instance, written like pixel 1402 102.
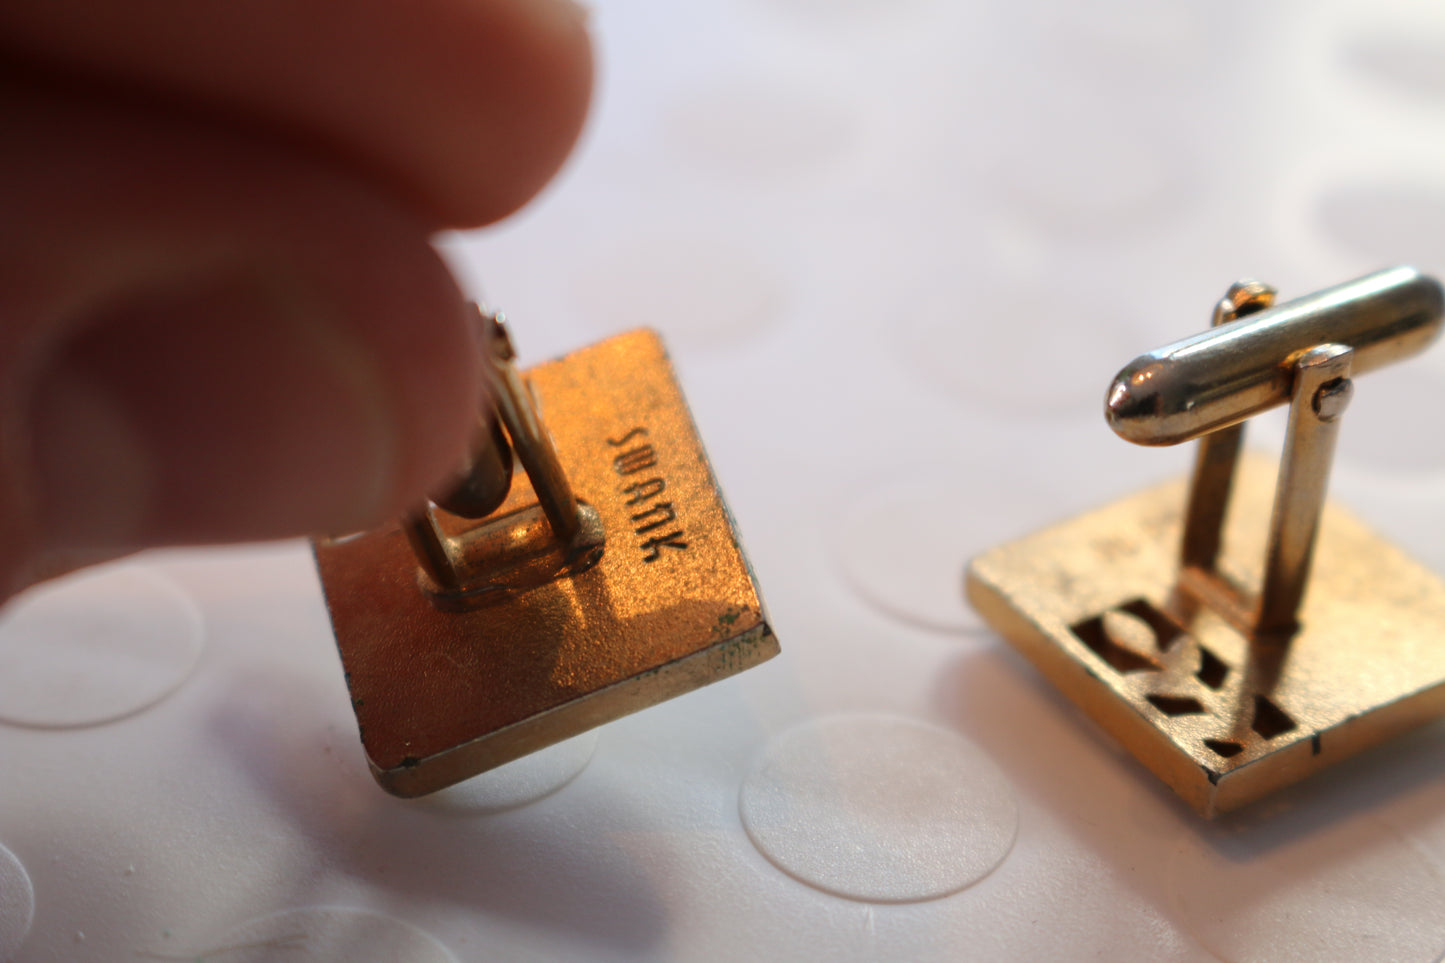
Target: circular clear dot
pixel 1076 171
pixel 329 933
pixel 904 548
pixel 1124 40
pixel 95 647
pixel 698 290
pixel 1343 892
pixel 878 808
pixel 846 10
pixel 759 130
pixel 17 905
pixel 1409 61
pixel 1019 347
pixel 1385 223
pixel 519 782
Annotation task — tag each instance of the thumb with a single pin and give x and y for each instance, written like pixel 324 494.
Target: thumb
pixel 209 337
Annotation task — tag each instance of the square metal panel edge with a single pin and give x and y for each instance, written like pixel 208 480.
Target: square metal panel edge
pixel 1095 605
pixel 672 605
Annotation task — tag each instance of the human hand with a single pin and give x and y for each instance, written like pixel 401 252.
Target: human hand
pixel 220 316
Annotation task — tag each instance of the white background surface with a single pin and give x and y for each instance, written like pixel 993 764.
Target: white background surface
pixel 898 248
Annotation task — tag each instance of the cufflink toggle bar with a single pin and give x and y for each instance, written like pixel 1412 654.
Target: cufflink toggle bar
pixel 1233 638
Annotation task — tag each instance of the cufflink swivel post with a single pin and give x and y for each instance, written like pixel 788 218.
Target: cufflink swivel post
pixel 1234 638
pixel 520 608
pixel 557 535
pixel 1301 354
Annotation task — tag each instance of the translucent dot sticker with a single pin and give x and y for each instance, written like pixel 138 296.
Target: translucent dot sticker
pixel 760 130
pixel 17 905
pixel 1352 891
pixel 1076 172
pixel 1383 222
pixel 1021 347
pixel 331 933
pixel 1120 40
pixel 95 647
pixel 847 11
pixel 904 548
pixel 879 808
pixel 699 290
pixel 518 783
pixel 1407 60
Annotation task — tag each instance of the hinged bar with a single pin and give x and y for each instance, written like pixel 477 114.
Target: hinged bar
pixel 1322 390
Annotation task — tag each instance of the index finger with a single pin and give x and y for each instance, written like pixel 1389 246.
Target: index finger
pixel 464 107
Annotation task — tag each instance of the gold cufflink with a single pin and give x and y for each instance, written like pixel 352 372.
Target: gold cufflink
pixel 1235 640
pixel 521 608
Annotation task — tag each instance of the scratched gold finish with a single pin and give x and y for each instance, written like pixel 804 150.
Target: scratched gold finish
pixel 1238 632
pixel 1369 662
pixel 442 694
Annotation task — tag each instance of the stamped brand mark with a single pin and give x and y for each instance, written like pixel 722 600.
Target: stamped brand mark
pixel 651 515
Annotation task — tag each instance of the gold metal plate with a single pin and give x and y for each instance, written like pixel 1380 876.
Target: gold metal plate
pixel 1095 604
pixel 443 695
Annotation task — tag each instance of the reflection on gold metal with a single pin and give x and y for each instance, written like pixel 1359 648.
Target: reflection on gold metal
pixel 606 579
pixel 1237 638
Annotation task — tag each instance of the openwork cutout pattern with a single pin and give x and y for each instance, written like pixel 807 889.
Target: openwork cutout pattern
pixel 1181 679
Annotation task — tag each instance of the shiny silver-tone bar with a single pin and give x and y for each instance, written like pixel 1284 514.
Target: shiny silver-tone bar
pixel 1229 373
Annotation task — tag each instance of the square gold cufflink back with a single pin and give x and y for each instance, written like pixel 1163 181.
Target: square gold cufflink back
pixel 1237 636
pixel 606 579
